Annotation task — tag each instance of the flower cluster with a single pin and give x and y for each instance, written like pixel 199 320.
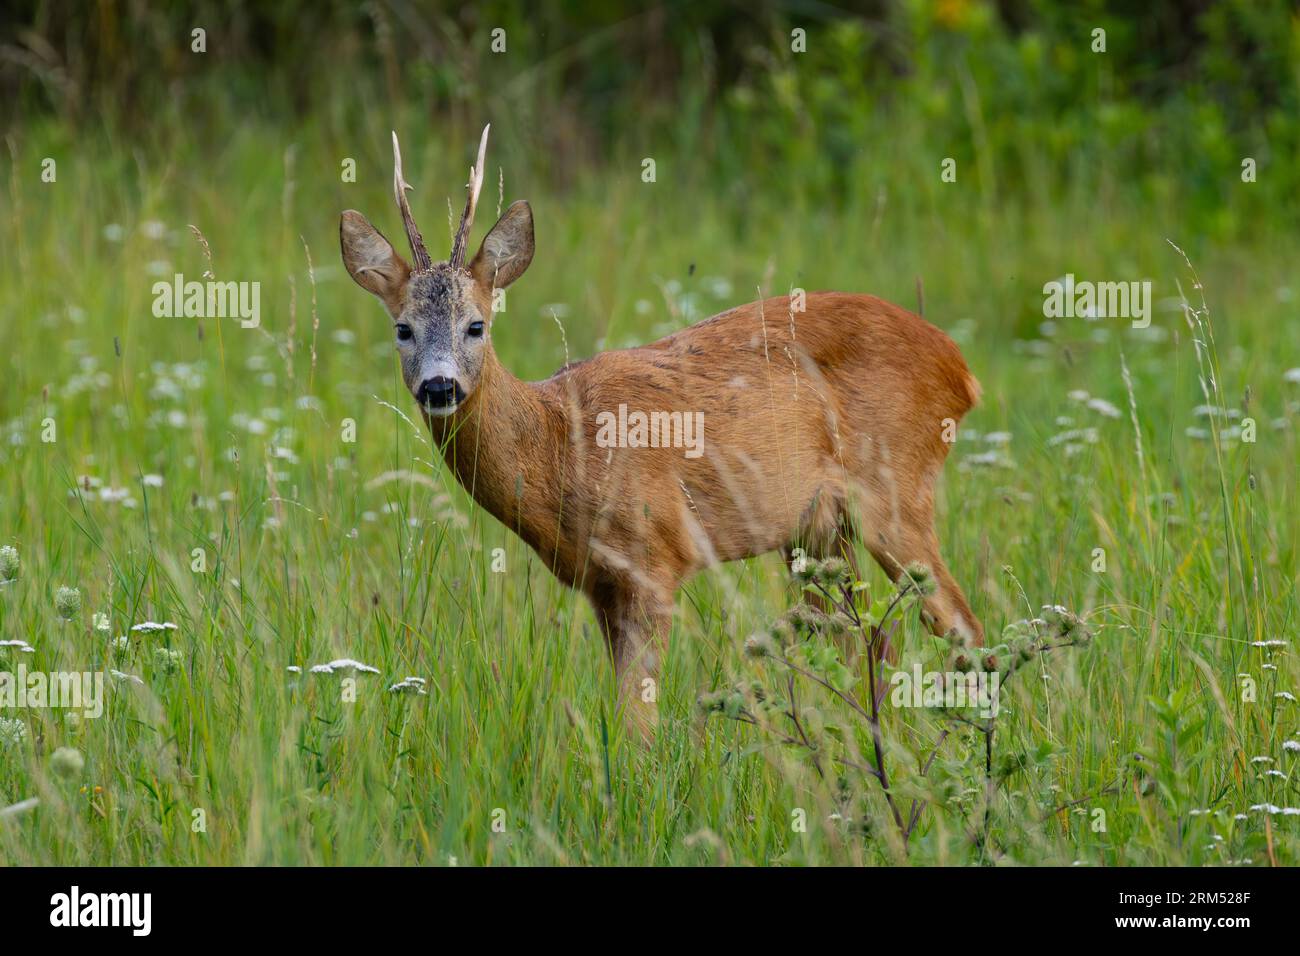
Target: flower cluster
pixel 9 563
pixel 1021 642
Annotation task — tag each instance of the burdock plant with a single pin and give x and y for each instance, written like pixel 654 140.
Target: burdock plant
pixel 804 642
pixel 807 644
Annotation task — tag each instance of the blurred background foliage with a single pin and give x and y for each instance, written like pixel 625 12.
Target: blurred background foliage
pixel 1013 90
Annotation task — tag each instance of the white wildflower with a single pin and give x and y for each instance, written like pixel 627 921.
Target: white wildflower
pixel 166 659
pixel 1103 407
pixel 988 459
pixel 344 664
pixel 13 732
pixel 411 685
pixel 9 563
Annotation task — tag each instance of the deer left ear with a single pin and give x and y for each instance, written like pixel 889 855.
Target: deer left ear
pixel 371 260
pixel 507 249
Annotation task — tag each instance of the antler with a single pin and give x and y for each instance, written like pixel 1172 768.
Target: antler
pixel 467 217
pixel 400 185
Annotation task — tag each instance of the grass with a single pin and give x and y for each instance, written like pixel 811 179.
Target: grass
pixel 369 550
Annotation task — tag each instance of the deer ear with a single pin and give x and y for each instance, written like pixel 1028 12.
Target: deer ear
pixel 507 249
pixel 371 260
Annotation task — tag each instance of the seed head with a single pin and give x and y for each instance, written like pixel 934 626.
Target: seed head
pixel 1065 625
pixel 832 573
pixel 67 601
pixel 920 578
pixel 67 762
pixel 710 701
pixel 734 704
pixel 805 618
pixel 759 645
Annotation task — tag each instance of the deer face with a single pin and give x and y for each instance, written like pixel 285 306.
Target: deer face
pixel 441 336
pixel 441 312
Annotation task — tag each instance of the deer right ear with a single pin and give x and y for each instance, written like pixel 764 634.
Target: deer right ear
pixel 372 261
pixel 507 248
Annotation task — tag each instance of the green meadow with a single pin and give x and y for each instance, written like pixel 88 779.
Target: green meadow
pixel 263 489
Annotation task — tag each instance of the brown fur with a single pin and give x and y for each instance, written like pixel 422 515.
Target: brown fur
pixel 809 434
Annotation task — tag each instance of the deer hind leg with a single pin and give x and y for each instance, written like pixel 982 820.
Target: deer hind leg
pixel 897 540
pixel 636 624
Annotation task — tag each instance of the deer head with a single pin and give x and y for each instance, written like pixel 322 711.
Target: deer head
pixel 441 312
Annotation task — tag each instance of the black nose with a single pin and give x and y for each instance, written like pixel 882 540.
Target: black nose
pixel 439 392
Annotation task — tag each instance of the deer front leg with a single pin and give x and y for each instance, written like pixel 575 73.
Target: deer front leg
pixel 636 626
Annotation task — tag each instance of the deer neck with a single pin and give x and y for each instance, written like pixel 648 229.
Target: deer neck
pixel 503 447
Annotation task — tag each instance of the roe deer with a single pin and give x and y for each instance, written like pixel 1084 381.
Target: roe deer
pixel 820 427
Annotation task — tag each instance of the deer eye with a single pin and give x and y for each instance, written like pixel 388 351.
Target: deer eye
pixel 475 330
pixel 403 331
